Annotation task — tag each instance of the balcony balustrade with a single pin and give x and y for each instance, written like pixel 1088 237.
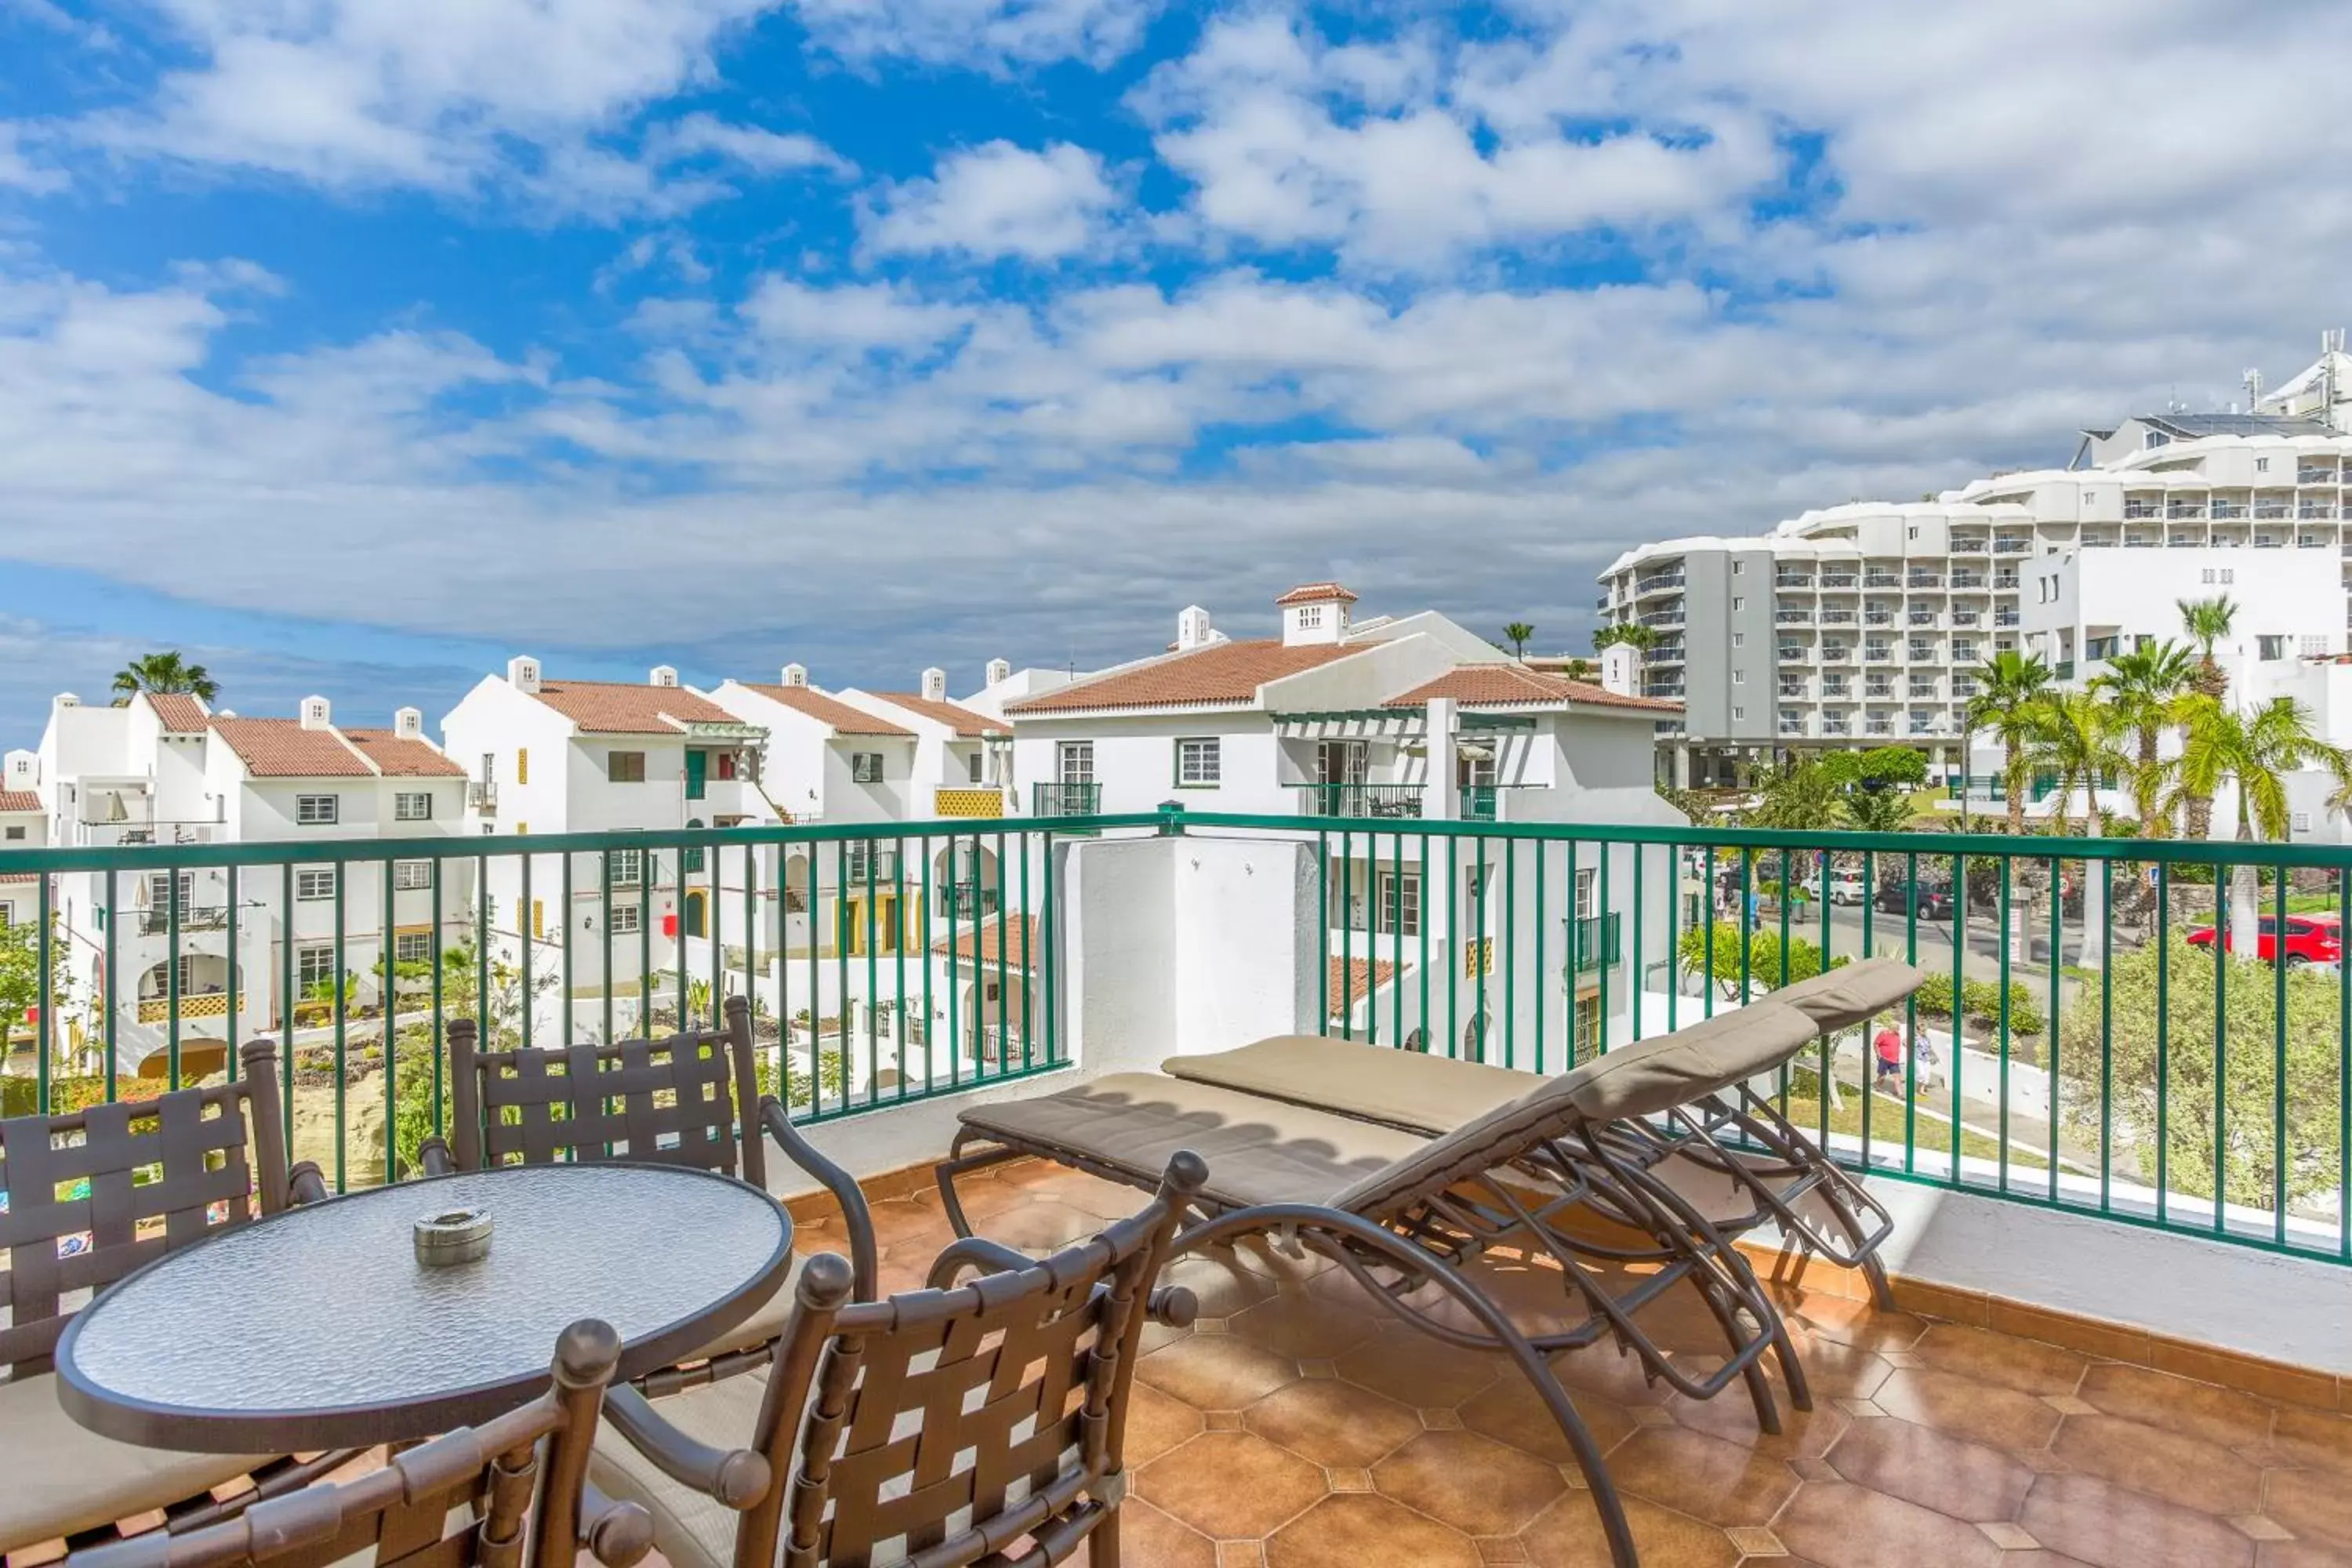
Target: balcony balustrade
pixel 2012 546
pixel 1359 800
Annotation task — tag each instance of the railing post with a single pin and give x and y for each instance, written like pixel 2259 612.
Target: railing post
pixel 1171 819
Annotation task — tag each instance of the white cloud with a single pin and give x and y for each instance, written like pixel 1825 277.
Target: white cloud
pixel 21 174
pixel 986 34
pixel 762 151
pixel 999 200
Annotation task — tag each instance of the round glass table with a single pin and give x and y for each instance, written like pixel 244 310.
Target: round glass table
pixel 318 1327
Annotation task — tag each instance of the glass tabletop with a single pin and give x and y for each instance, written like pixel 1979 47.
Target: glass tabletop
pixel 318 1326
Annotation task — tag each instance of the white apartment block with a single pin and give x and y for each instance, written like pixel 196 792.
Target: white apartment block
pixel 1857 625
pixel 165 770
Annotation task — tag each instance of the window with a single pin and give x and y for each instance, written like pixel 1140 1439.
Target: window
pixel 1074 762
pixel 1737 714
pixel 522 765
pixel 1739 678
pixel 2313 646
pixel 2229 573
pixel 8 916
pixel 314 966
pixel 2270 648
pixel 408 875
pixel 15 834
pixel 2154 439
pixel 1397 903
pixel 1739 639
pixel 1587 1026
pixel 865 767
pixel 2262 465
pixel 412 806
pixel 1915 531
pixel 313 883
pixel 1310 615
pixel 626 920
pixel 625 767
pixel 160 889
pixel 722 764
pixel 1738 602
pixel 627 867
pixel 412 947
pixel 1964 653
pixel 318 810
pixel 973 766
pixel 1737 567
pixel 1197 762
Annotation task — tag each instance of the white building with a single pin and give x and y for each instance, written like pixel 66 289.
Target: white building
pixel 964 759
pixel 1858 625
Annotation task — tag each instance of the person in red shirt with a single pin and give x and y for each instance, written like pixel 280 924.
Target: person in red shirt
pixel 1888 1046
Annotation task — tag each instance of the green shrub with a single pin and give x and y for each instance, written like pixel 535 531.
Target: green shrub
pixel 1980 1003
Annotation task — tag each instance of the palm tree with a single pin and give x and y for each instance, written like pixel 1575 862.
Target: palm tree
pixel 2208 622
pixel 2073 736
pixel 2142 687
pixel 1517 633
pixel 1632 634
pixel 2009 686
pixel 2257 749
pixel 165 673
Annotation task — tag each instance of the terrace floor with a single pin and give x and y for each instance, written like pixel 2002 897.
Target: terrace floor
pixel 1301 1425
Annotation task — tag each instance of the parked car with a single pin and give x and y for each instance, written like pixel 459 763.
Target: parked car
pixel 2310 939
pixel 1927 900
pixel 1845 887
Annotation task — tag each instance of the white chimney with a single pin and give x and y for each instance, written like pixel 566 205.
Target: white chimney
pixel 662 674
pixel 1192 628
pixel 409 723
pixel 316 713
pixel 1314 612
pixel 1000 671
pixel 20 771
pixel 522 674
pixel 935 685
pixel 1620 670
pixel 64 700
pixel 795 675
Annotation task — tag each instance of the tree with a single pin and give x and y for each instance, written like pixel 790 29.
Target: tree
pixel 20 974
pixel 1764 956
pixel 2089 1046
pixel 501 1021
pixel 1517 634
pixel 2207 621
pixel 2008 685
pixel 1640 639
pixel 2144 687
pixel 165 673
pixel 2074 737
pixel 2256 748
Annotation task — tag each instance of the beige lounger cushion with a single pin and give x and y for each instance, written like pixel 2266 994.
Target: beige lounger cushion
pixel 1640 1079
pixel 58 1476
pixel 1258 1150
pixel 1377 1083
pixel 691 1529
pixel 1851 993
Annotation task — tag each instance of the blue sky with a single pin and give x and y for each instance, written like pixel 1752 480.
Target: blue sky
pixel 353 344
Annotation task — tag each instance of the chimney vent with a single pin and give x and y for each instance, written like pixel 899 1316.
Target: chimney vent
pixel 1192 628
pixel 522 674
pixel 935 685
pixel 409 723
pixel 317 714
pixel 1000 671
pixel 795 675
pixel 663 675
pixel 64 700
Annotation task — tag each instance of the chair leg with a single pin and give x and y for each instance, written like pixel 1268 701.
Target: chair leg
pixel 956 1165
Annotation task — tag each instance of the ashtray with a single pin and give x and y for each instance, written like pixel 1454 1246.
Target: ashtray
pixel 453 1236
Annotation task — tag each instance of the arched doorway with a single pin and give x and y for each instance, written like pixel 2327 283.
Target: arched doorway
pixel 967 877
pixel 1473 1038
pixel 694 921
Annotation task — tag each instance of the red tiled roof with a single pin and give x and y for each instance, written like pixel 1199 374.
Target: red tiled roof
pixel 397 757
pixel 1498 685
pixel 825 710
pixel 989 937
pixel 182 712
pixel 282 749
pixel 20 876
pixel 1226 672
pixel 1349 981
pixel 19 800
pixel 960 719
pixel 619 708
pixel 1315 593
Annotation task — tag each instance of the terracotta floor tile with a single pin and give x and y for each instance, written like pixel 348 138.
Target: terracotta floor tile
pixel 1932 1468
pixel 1224 1287
pixel 1414 1369
pixel 2110 1527
pixel 1216 1371
pixel 1836 1371
pixel 1469 1482
pixel 2160 1462
pixel 1045 1226
pixel 1300 1323
pixel 1967 1407
pixel 1231 1484
pixel 1501 1550
pixel 1567 1535
pixel 1855 1323
pixel 2176 1404
pixel 1333 1423
pixel 1613 1374
pixel 1364 1530
pixel 982 1196
pixel 1150 1536
pixel 1704 1477
pixel 2314 1504
pixel 2313 1437
pixel 1155 1423
pixel 1730 1416
pixel 1508 1410
pixel 1841 1526
pixel 2300 1555
pixel 2022 1365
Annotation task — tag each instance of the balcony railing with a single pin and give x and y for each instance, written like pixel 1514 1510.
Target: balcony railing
pixel 1968 547
pixel 193 918
pixel 1659 583
pixel 1838 579
pixel 1386 802
pixel 1963 581
pixel 2228 509
pixel 1880 580
pixel 1923 579
pixel 2314 511
pixel 1064 799
pixel 2143 509
pixel 2272 509
pixel 2012 546
pixel 1921 617
pixel 1792 580
pixel 2184 508
pixel 1662 618
pixel 1793 618
pixel 2006 618
pixel 2315 475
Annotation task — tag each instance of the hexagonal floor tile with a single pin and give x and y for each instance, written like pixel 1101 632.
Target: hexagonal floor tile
pixel 1353 1530
pixel 1231 1484
pixel 1469 1482
pixel 1333 1423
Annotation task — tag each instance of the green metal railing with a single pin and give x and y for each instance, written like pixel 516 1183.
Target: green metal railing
pixel 1359 800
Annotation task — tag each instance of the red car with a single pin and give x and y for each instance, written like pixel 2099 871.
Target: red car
pixel 2310 939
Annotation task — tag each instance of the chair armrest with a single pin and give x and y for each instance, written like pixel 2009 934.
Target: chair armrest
pixel 986 1255
pixel 433 1156
pixel 617 1534
pixel 1172 1306
pixel 865 1268
pixel 734 1477
pixel 306 1184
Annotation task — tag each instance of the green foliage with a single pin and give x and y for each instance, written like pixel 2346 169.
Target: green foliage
pixel 1629 633
pixel 165 671
pixel 1517 634
pixel 20 973
pixel 412 1099
pixel 1764 955
pixel 1980 1003
pixel 829 1066
pixel 2185 1004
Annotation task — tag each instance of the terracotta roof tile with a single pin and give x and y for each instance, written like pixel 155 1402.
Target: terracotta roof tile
pixel 1500 685
pixel 19 800
pixel 621 708
pixel 182 712
pixel 962 720
pixel 399 758
pixel 20 876
pixel 282 749
pixel 1315 594
pixel 827 709
pixel 1226 672
pixel 1349 977
pixel 990 936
